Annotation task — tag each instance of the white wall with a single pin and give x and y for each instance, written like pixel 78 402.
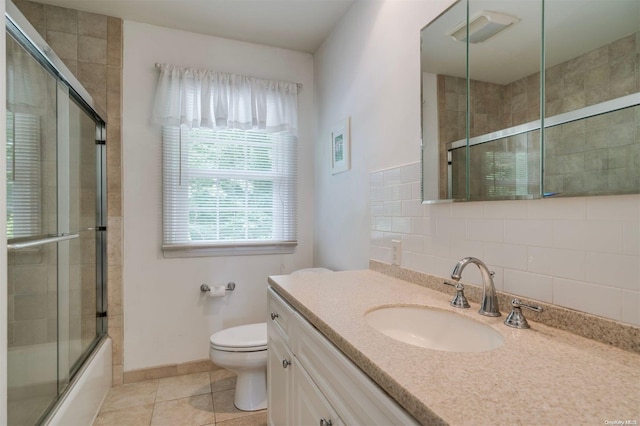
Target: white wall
pixel 369 69
pixel 579 252
pixel 166 320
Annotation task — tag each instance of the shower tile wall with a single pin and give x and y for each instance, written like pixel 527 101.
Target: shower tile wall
pixel 581 252
pixel 603 74
pixel 90 45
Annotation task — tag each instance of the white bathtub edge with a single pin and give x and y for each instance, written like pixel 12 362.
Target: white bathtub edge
pixel 83 400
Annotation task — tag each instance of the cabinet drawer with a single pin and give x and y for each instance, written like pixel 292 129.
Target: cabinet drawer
pixel 280 315
pixel 355 397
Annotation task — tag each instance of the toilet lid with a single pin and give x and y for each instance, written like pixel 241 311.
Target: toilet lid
pixel 252 336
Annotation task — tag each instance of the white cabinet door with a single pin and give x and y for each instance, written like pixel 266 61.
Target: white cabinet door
pixel 310 407
pixel 279 380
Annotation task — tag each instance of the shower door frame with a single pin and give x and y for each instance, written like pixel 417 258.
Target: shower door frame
pixel 21 30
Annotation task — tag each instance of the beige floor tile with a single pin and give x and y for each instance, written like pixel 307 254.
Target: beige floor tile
pixel 224 408
pixel 183 386
pixel 258 419
pixel 139 415
pixel 191 411
pixel 222 380
pixel 125 396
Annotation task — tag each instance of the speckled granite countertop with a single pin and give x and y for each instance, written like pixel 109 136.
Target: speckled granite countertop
pixel 540 376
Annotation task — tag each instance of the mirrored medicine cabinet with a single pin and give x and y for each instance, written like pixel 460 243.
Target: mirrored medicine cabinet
pixel 531 99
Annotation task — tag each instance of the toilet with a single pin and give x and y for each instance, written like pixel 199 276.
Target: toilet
pixel 243 351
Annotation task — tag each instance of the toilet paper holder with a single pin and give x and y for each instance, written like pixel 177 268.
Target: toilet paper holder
pixel 230 287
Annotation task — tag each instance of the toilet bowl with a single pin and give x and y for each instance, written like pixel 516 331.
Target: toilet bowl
pixel 243 351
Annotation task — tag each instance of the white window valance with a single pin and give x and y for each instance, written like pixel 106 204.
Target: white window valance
pixel 200 98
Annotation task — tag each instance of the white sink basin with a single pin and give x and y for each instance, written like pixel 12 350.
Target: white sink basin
pixel 434 329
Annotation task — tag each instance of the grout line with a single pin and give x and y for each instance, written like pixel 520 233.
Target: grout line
pixel 153 410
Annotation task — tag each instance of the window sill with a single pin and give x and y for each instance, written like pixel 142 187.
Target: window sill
pixel 239 249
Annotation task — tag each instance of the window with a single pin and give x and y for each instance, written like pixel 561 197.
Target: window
pixel 228 192
pixel 23 176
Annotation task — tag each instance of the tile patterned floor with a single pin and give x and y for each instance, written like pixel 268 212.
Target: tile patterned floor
pixel 191 400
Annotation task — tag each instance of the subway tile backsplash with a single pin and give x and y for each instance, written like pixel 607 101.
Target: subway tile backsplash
pixel 581 253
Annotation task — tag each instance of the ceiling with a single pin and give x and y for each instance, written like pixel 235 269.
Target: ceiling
pixel 291 24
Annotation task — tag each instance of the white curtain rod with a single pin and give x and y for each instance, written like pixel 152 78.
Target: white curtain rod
pixel 158 65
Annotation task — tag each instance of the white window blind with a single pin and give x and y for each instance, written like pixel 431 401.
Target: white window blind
pixel 228 191
pixel 24 184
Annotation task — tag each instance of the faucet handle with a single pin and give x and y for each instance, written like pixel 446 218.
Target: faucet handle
pixel 459 301
pixel 518 303
pixel 516 318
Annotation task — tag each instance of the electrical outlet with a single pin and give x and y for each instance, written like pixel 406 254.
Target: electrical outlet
pixel 396 250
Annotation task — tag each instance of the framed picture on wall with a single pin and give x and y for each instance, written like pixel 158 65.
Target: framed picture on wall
pixel 340 147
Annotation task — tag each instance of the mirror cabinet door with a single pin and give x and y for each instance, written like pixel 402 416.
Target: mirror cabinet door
pixel 444 106
pixel 592 80
pixel 487 135
pixel 504 44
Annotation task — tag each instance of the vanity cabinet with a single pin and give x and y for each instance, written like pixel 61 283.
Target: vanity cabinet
pixel 311 382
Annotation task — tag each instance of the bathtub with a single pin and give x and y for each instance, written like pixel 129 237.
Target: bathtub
pixel 80 403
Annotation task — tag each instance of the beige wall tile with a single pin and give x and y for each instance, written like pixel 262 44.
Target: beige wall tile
pixel 29 332
pixel 114 241
pixel 91 24
pixel 93 76
pixel 623 47
pixel 30 306
pixel 30 278
pixel 114 181
pixel 114 92
pixel 61 19
pixel 114 42
pixel 117 375
pixel 114 288
pixel 117 350
pixel 64 44
pixel 35 13
pixel 92 49
pixel 114 205
pixel 596 58
pixel 10 334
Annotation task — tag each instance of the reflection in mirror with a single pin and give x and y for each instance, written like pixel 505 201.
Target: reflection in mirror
pixel 488 145
pixel 504 102
pixel 592 80
pixel 504 94
pixel 444 105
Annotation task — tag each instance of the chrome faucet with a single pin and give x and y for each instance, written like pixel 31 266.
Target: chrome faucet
pixel 489 305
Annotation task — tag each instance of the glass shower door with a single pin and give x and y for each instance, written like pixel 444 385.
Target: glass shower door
pixel 31 218
pixel 55 235
pixel 84 262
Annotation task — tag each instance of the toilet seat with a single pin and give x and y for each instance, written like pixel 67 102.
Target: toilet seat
pixel 244 338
